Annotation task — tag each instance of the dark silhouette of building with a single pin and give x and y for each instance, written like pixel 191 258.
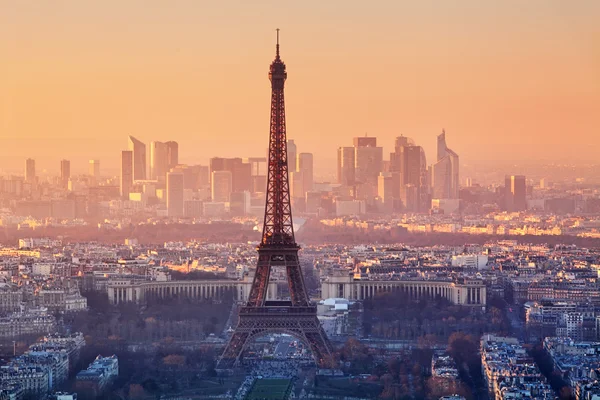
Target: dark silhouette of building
pixel 515 193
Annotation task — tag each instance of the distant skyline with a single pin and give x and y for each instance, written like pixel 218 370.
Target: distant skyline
pixel 511 81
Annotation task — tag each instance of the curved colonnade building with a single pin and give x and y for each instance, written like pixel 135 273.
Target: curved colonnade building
pixel 129 290
pixel 466 292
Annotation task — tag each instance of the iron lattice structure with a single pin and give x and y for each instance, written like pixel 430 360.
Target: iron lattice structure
pixel 297 317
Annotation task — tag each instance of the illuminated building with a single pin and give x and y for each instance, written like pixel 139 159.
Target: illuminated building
pixel 444 173
pixel 139 158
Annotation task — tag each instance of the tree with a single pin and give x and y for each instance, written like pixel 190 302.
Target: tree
pixel 136 391
pixel 174 360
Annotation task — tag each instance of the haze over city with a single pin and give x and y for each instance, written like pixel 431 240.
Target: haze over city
pixel 394 200
pixel 512 80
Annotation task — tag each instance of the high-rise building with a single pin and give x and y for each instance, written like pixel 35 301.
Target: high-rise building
pixel 126 173
pixel 164 156
pixel 368 163
pixel 241 172
pixel 221 186
pixel 65 172
pixel 139 158
pixel 345 166
pixel 30 176
pixel 409 170
pixel 515 189
pixel 158 161
pixel 444 173
pixel 292 150
pixel 304 165
pixel 385 193
pixel 175 194
pixel 172 154
pixel 258 172
pixel 94 171
pixel 297 190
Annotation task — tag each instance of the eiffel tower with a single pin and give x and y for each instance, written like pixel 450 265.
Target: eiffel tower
pixel 297 317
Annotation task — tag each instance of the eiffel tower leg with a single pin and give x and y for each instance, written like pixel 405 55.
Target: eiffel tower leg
pixel 319 344
pixel 233 351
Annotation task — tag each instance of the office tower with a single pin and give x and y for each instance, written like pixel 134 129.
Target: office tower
pixel 164 156
pixel 30 176
pixel 258 173
pixel 409 170
pixel 139 158
pixel 241 172
pixel 385 186
pixel 515 193
pixel 221 186
pixel 172 154
pixel 444 173
pixel 65 172
pixel 297 190
pixel 345 166
pixel 174 194
pixel 368 160
pixel 292 150
pixel 304 165
pixel 94 171
pixel 158 161
pixel 126 173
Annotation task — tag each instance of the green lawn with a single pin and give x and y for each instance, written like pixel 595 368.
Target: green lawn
pixel 270 389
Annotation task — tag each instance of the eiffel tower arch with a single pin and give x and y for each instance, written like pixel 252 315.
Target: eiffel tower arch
pixel 278 248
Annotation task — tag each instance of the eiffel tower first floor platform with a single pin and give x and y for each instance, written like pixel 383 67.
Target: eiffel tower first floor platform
pixel 278 317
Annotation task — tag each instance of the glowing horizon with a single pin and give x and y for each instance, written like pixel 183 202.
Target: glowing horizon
pixel 511 81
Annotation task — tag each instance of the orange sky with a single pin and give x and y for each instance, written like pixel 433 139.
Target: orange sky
pixel 508 79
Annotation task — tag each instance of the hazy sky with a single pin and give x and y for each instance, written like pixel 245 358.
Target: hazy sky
pixel 508 79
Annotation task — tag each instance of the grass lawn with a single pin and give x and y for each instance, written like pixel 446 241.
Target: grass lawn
pixel 270 389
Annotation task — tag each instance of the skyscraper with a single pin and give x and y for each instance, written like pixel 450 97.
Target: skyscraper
pixel 444 173
pixel 94 171
pixel 175 194
pixel 368 163
pixel 164 156
pixel 304 165
pixel 158 161
pixel 385 191
pixel 515 189
pixel 241 172
pixel 297 191
pixel 221 186
pixel 30 176
pixel 292 150
pixel 139 158
pixel 126 173
pixel 65 172
pixel 172 154
pixel 345 166
pixel 409 170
